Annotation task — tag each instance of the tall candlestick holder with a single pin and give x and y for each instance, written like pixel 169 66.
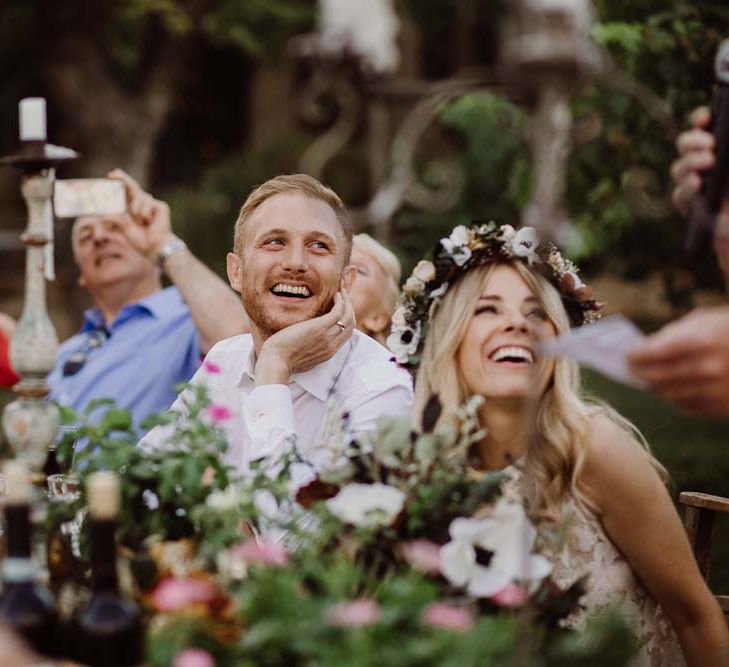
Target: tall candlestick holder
pixel 547 53
pixel 31 422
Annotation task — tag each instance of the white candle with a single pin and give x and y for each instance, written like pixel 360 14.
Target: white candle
pixel 32 119
pixel 103 493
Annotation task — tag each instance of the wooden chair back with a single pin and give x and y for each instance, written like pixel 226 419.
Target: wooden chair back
pixel 701 509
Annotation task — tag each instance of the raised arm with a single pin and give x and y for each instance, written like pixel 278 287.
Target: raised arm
pixel 639 517
pixel 214 307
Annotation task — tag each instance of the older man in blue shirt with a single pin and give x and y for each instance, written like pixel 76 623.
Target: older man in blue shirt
pixel 140 340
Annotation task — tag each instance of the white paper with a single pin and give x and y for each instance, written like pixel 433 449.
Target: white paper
pixel 603 346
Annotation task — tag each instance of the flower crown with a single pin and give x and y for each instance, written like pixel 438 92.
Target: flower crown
pixel 467 247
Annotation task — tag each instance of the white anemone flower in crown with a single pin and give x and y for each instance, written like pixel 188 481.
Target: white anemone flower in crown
pixel 367 28
pixel 403 342
pixel 524 244
pixel 456 245
pixel 506 537
pixel 367 505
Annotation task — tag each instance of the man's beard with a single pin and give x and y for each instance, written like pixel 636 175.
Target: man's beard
pixel 267 324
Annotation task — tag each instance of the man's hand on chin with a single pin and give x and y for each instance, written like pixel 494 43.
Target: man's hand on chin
pixel 302 346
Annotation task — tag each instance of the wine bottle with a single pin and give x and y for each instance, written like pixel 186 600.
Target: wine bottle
pixel 107 630
pixel 25 605
pixel 52 466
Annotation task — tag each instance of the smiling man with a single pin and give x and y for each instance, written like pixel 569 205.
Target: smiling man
pixel 139 339
pixel 302 371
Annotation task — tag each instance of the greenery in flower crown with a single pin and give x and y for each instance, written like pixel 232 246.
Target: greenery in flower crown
pixel 468 247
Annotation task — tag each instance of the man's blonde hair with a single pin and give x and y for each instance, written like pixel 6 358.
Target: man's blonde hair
pixel 303 184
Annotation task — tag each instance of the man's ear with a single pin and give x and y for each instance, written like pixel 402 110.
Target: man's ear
pixel 81 280
pixel 349 274
pixel 235 271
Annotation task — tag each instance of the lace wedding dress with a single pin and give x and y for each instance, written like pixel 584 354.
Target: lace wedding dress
pixel 611 584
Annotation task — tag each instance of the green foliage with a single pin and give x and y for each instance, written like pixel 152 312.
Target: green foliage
pixel 257 28
pixel 284 611
pixel 495 159
pixel 159 487
pixel 667 46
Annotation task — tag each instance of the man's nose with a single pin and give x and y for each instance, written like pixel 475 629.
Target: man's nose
pixel 294 258
pixel 100 235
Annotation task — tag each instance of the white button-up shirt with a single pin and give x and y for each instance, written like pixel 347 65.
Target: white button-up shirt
pixel 360 382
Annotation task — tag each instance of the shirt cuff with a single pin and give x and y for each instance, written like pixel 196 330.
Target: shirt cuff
pixel 269 417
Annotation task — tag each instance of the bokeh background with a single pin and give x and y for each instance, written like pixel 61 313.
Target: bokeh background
pixel 202 100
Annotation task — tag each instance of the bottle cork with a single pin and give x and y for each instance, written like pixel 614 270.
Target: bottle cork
pixel 103 495
pixel 17 482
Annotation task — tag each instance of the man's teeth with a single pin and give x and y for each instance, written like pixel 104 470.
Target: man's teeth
pixel 513 354
pixel 291 290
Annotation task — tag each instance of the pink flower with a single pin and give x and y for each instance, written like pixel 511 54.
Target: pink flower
pixel 356 614
pixel 219 413
pixel 448 617
pixel 211 367
pixel 423 555
pixel 193 657
pixel 174 593
pixel 261 551
pixel 511 596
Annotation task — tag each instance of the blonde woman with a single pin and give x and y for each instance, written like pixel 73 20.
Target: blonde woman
pixel 376 286
pixel 473 326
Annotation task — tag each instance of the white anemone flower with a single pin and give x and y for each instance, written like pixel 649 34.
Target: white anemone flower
pixel 507 234
pixel 398 317
pixel 456 245
pixel 509 536
pixel 367 505
pixel 524 244
pixel 403 342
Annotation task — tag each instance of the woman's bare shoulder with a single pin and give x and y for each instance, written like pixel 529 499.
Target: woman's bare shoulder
pixel 615 459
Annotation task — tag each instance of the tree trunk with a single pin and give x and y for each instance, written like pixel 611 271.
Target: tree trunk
pixel 109 125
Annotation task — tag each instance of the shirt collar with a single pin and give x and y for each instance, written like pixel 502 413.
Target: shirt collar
pixel 160 305
pixel 318 381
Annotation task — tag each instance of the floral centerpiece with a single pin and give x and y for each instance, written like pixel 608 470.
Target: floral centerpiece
pixel 396 553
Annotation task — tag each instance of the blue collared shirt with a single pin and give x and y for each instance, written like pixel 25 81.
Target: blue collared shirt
pixel 153 345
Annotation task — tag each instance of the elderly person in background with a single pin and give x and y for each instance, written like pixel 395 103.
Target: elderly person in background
pixel 687 361
pixel 376 286
pixel 140 339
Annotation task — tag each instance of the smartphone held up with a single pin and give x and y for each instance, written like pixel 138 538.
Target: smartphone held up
pixel 79 197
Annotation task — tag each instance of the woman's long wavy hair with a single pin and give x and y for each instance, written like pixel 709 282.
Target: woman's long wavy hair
pixel 553 467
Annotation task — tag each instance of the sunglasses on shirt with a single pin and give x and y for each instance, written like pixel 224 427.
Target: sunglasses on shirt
pixel 78 359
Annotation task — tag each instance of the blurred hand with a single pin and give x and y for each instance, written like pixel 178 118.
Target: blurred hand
pixel 147 227
pixel 696 155
pixel 687 361
pixel 302 346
